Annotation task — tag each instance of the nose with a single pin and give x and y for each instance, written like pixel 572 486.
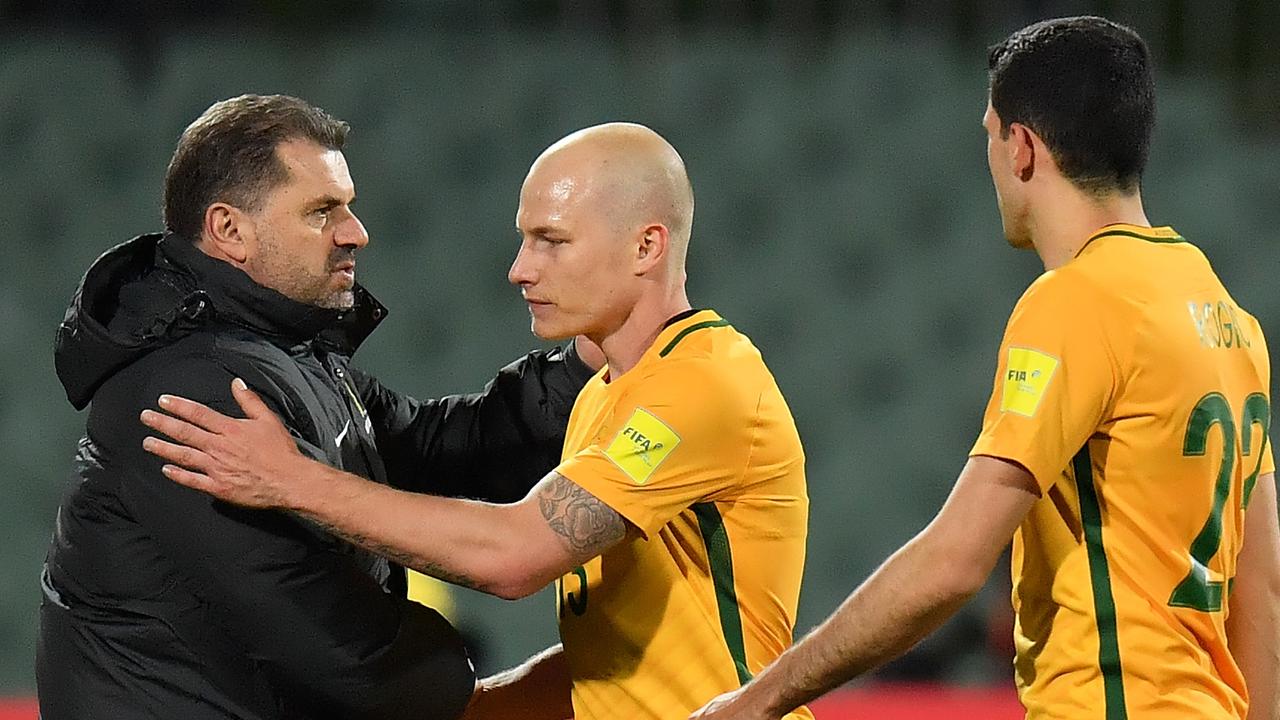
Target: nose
pixel 522 271
pixel 350 233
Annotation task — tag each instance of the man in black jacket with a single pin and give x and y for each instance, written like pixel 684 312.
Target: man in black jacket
pixel 160 601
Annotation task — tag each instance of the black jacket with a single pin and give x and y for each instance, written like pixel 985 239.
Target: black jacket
pixel 162 602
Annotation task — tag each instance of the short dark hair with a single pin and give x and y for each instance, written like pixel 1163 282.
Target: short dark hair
pixel 1084 85
pixel 228 154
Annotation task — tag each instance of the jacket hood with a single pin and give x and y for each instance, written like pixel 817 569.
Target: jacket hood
pixel 156 289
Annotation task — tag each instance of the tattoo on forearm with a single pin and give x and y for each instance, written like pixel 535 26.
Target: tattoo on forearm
pixel 400 557
pixel 588 524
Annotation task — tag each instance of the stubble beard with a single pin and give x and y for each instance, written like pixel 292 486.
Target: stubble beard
pixel 340 300
pixel 281 273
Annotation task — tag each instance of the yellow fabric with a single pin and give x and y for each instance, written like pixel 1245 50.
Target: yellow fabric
pixel 1129 338
pixel 433 593
pixel 697 450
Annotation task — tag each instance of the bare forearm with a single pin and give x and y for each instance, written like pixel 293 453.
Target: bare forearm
pixel 911 594
pixel 902 602
pixel 539 689
pixel 1253 626
pixel 508 550
pixel 1254 639
pixel 460 541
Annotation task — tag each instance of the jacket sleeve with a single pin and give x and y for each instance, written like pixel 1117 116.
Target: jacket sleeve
pixel 293 596
pixel 492 445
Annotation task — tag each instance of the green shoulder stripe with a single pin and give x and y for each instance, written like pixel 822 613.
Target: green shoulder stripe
pixel 692 328
pixel 721 560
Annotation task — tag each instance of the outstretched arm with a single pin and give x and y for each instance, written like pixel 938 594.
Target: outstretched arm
pixel 1253 625
pixel 506 550
pixel 911 594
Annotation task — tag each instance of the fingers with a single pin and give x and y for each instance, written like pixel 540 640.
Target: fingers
pixel 249 401
pixel 174 453
pixel 195 413
pixel 193 480
pixel 178 429
pixel 185 466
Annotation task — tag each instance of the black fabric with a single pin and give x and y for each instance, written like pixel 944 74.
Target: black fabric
pixel 163 602
pixel 681 316
pixel 451 429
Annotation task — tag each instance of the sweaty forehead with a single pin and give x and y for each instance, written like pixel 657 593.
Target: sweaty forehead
pixel 552 192
pixel 562 189
pixel 615 172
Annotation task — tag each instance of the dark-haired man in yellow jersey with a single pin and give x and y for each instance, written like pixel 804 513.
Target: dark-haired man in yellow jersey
pixel 1125 437
pixel 675 523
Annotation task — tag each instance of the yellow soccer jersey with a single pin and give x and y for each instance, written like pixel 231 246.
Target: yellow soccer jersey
pixel 696 448
pixel 1135 390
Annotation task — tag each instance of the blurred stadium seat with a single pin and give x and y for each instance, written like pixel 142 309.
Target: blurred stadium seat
pixel 845 221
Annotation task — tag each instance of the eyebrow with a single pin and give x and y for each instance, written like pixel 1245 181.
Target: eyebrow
pixel 542 230
pixel 330 201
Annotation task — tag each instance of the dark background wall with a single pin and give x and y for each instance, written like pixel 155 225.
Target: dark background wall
pixel 845 218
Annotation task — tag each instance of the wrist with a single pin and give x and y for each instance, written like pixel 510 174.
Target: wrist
pixel 297 492
pixel 764 699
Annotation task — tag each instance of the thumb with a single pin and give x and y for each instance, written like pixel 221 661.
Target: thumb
pixel 249 401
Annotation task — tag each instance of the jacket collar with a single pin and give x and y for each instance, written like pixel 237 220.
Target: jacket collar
pixel 237 299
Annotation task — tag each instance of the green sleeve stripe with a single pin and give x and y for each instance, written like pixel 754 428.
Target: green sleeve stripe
pixel 721 560
pixel 1104 604
pixel 692 328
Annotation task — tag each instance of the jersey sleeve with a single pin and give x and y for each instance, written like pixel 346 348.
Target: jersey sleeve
pixel 1054 380
pixel 677 438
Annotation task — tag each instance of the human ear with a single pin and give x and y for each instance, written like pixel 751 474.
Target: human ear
pixel 651 247
pixel 229 231
pixel 1022 150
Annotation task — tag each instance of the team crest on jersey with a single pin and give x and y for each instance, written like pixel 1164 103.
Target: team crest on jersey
pixel 1026 377
pixel 641 445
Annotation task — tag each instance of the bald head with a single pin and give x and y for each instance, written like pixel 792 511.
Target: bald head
pixel 604 223
pixel 624 171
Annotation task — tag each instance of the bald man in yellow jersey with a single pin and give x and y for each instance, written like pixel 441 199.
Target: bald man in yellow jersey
pixel 676 522
pixel 1125 447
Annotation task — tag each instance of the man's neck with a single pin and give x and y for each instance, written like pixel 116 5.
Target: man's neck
pixel 624 346
pixel 1063 228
